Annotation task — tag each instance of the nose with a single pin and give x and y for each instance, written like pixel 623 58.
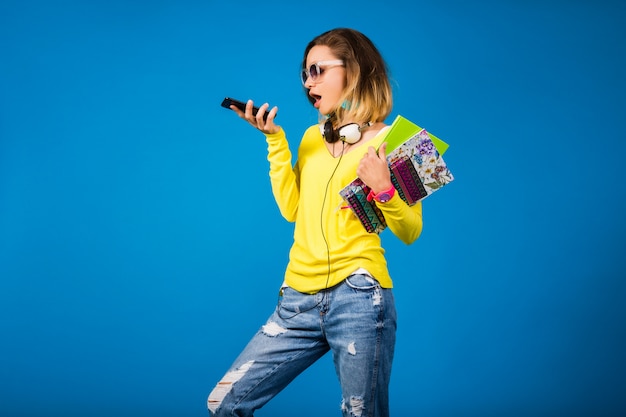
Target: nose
pixel 309 81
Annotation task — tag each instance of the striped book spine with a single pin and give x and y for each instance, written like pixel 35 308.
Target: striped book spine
pixel 370 216
pixel 408 180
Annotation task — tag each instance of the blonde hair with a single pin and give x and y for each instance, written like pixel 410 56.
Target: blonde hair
pixel 367 96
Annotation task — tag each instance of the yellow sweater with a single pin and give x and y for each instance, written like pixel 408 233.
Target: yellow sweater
pixel 330 243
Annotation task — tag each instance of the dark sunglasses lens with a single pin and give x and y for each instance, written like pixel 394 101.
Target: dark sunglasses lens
pixel 314 71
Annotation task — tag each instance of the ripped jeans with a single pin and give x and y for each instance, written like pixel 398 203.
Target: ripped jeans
pixel 356 320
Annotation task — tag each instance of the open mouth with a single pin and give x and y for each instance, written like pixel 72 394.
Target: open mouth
pixel 316 99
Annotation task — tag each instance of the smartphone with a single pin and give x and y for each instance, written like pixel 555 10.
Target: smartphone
pixel 242 106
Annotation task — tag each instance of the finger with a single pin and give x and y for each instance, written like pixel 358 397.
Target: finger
pixel 261 113
pixel 236 110
pixel 272 113
pixel 382 151
pixel 248 113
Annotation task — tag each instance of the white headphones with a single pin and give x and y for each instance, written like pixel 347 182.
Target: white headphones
pixel 350 133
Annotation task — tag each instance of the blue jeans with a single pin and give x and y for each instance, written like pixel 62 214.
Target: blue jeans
pixel 356 320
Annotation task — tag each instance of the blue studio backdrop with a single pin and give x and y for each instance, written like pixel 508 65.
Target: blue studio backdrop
pixel 140 245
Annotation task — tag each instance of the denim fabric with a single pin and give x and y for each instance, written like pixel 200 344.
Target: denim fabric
pixel 356 320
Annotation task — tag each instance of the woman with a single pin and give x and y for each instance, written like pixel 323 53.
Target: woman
pixel 337 292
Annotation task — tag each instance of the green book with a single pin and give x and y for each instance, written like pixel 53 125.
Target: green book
pixel 402 130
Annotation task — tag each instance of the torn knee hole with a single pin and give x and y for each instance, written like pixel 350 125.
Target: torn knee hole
pixel 355 406
pixel 225 385
pixel 272 329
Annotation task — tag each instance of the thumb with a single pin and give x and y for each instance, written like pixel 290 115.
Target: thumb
pixel 382 151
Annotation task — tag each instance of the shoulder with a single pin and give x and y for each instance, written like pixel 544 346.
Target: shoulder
pixel 313 131
pixel 311 141
pixel 312 136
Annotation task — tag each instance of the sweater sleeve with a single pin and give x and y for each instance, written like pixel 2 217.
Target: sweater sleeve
pixel 403 220
pixel 284 177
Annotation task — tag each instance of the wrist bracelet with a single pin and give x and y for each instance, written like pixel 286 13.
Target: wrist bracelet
pixel 383 196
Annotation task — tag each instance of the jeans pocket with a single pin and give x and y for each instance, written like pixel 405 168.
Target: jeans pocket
pixel 362 282
pixel 290 301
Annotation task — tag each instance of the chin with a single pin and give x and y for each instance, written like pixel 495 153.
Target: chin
pixel 325 110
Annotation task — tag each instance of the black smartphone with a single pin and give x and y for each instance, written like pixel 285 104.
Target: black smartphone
pixel 241 106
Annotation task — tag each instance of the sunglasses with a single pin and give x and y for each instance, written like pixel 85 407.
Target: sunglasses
pixel 318 68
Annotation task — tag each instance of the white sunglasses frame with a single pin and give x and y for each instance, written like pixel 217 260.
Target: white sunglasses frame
pixel 328 64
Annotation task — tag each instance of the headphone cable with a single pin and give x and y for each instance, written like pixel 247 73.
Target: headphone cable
pixel 325 241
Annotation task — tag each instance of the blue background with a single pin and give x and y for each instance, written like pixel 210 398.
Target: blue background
pixel 140 246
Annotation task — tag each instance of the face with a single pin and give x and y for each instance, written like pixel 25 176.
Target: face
pixel 326 89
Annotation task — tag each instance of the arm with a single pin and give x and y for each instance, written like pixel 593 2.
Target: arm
pixel 403 220
pixel 283 177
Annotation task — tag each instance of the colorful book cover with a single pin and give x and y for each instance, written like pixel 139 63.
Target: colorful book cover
pixel 417 170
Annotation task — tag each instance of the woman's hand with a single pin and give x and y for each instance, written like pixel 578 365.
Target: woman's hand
pixel 265 126
pixel 373 169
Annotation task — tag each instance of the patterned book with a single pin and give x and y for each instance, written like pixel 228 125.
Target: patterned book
pixel 417 170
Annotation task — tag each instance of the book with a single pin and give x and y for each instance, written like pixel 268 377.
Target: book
pixel 417 170
pixel 403 129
